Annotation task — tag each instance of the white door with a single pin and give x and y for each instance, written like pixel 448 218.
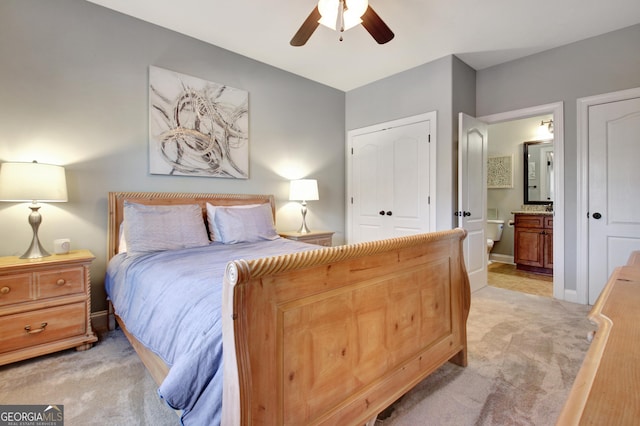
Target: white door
pixel 472 196
pixel 369 187
pixel 614 194
pixel 390 182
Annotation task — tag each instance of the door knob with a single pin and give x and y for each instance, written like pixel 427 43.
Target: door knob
pixel 597 215
pixel 389 213
pixel 381 212
pixel 465 214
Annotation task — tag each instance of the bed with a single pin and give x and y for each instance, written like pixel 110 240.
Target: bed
pixel 311 335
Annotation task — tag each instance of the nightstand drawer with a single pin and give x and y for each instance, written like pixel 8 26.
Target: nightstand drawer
pixel 60 282
pixel 325 242
pixel 320 238
pixel 41 326
pixel 15 289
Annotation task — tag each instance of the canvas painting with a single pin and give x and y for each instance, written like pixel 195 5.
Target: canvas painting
pixel 500 172
pixel 197 127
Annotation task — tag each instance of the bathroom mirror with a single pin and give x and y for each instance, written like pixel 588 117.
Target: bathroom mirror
pixel 538 172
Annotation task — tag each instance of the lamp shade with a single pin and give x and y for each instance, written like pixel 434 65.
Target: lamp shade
pixel 330 9
pixel 35 181
pixel 303 190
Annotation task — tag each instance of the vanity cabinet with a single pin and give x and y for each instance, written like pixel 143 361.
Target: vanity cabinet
pixel 533 243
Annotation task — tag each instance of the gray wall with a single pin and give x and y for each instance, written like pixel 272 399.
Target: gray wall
pixel 603 64
pixel 73 91
pixel 425 88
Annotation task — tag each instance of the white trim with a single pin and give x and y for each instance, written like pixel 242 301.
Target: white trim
pixel 501 258
pixel 582 193
pixel 433 161
pixel 557 109
pixel 572 296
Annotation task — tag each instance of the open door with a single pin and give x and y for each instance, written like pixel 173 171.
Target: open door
pixel 472 196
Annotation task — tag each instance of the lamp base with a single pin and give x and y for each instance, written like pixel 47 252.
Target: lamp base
pixel 304 229
pixel 35 250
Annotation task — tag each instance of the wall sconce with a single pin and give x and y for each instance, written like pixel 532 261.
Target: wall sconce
pixel 303 190
pixel 549 124
pixel 22 182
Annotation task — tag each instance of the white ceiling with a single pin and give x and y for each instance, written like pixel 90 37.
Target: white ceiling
pixel 480 32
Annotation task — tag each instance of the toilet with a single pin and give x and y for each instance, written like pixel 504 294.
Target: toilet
pixel 493 231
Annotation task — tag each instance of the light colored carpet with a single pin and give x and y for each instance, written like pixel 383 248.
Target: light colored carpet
pixel 524 353
pixel 106 385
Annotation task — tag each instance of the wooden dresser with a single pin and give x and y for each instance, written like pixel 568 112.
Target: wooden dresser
pixel 44 305
pixel 607 388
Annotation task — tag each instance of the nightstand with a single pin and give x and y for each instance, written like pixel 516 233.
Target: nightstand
pixel 320 238
pixel 45 305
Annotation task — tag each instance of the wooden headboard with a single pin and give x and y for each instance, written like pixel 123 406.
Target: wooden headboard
pixel 117 199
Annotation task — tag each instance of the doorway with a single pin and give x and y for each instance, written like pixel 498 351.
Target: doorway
pixel 527 145
pixel 555 110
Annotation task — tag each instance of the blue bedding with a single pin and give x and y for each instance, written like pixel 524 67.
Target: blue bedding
pixel 171 302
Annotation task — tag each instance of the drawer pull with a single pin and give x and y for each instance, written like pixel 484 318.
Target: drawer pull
pixel 5 290
pixel 36 331
pixel 61 282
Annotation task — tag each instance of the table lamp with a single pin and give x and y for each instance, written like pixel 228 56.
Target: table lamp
pixel 34 182
pixel 303 190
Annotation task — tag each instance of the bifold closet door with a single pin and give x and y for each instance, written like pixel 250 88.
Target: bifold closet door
pixel 390 182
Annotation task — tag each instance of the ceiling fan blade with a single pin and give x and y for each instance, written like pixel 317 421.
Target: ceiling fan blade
pixel 376 27
pixel 307 28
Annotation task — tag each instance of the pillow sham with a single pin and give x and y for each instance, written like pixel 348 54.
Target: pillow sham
pixel 214 234
pixel 122 241
pixel 155 228
pixel 245 225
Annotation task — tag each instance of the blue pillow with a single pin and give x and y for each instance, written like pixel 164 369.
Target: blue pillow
pixel 155 228
pixel 245 225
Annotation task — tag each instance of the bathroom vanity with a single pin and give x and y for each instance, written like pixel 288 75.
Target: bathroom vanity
pixel 533 241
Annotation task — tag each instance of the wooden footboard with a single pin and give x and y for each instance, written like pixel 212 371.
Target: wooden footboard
pixel 335 335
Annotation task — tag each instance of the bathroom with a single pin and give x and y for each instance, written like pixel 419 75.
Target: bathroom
pixel 506 194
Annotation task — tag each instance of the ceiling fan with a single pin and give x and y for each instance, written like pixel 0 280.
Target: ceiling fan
pixel 341 15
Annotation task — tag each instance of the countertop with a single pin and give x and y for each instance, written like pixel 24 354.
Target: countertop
pixel 545 213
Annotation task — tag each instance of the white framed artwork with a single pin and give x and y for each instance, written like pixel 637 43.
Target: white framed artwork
pixel 532 170
pixel 197 127
pixel 500 172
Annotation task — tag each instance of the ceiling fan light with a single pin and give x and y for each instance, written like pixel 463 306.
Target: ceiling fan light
pixel 352 16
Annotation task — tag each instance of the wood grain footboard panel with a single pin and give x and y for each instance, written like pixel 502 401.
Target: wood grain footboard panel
pixel 335 335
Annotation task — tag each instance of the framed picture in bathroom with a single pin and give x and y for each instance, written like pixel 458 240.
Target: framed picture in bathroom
pixel 500 172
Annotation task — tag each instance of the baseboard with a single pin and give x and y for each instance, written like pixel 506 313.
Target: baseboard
pixel 571 296
pixel 100 321
pixel 501 258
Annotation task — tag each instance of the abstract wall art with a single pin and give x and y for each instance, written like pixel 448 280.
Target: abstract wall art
pixel 500 172
pixel 196 127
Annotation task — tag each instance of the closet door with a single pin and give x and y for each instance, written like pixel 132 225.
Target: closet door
pixel 390 182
